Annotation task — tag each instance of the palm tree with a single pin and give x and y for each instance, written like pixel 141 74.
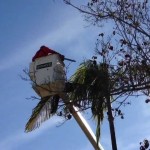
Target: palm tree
pixel 90 89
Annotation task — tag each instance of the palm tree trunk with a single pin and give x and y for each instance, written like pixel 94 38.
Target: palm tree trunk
pixel 111 125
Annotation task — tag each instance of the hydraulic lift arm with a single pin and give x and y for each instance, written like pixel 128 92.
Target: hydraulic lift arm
pixel 85 127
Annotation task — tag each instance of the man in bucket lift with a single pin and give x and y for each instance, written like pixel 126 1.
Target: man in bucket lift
pixel 44 51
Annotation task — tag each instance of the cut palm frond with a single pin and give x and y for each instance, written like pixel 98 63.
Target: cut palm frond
pixel 42 112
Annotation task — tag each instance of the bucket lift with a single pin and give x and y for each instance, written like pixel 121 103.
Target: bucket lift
pixel 48 78
pixel 48 75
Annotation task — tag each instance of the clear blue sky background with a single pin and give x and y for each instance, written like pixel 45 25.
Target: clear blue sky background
pixel 25 25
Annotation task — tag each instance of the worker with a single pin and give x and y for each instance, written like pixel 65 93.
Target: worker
pixel 45 51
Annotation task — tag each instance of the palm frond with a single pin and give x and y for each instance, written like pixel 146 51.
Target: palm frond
pixel 91 82
pixel 83 77
pixel 42 112
pixel 98 129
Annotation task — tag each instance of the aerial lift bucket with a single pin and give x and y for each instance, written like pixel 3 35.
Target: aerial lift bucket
pixel 48 75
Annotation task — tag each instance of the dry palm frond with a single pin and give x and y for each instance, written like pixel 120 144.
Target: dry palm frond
pixel 42 112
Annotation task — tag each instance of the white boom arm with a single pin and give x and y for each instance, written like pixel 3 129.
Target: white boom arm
pixel 85 127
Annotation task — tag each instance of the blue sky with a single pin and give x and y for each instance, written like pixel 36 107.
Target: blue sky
pixel 25 25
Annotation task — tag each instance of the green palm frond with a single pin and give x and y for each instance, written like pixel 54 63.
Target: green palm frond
pixel 91 83
pixel 42 112
pixel 98 108
pixel 84 77
pixel 98 129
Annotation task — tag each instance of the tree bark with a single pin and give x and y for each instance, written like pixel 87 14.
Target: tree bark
pixel 111 125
